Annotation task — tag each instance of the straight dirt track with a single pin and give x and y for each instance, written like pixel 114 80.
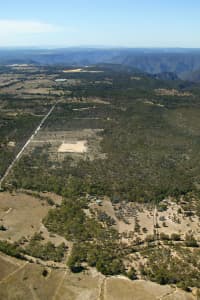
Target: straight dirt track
pixel 25 145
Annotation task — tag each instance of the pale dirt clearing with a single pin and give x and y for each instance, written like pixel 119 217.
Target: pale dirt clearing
pixel 135 78
pixel 72 71
pixel 11 144
pixel 172 92
pixel 76 147
pixel 60 80
pixel 151 103
pixel 81 71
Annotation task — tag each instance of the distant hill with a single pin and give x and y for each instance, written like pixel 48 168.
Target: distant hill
pixel 183 62
pixel 192 76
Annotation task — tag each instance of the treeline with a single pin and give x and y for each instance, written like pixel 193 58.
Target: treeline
pixel 165 268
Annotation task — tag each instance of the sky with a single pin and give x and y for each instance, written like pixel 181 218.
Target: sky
pixel 100 23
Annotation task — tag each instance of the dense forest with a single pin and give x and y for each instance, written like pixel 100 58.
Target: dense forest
pixel 151 141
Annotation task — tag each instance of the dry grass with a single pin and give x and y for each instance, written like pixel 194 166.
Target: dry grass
pixel 34 85
pixel 22 280
pixel 21 215
pixel 28 283
pixel 122 289
pixel 7 266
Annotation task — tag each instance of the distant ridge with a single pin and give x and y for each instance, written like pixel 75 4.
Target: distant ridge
pixel 182 62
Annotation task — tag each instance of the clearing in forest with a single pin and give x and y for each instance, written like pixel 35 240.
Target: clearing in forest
pixel 75 147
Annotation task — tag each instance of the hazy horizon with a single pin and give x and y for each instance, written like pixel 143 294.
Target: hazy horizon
pixel 98 47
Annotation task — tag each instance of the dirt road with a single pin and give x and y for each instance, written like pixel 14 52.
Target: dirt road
pixel 25 145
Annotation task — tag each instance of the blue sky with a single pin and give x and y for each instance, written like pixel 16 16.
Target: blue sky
pixel 124 23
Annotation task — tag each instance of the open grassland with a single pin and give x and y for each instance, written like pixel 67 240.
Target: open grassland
pixel 27 281
pixel 21 215
pixel 123 289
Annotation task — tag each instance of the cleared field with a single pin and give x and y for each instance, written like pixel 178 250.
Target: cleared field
pixel 27 282
pixel 7 266
pixel 72 71
pixel 21 214
pixel 76 147
pixel 23 67
pixel 122 289
pixel 79 70
pixel 33 85
pixel 9 79
pixel 79 143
